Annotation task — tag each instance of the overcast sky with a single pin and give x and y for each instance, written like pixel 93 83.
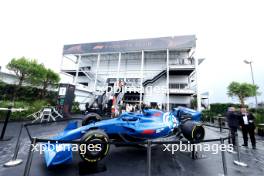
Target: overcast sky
pixel 227 31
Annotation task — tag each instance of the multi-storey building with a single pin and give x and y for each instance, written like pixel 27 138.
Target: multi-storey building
pixel 165 65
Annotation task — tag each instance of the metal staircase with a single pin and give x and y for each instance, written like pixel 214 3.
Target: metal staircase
pixel 90 75
pixel 155 78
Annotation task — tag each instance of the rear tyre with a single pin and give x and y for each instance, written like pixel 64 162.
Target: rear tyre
pixel 92 153
pixel 91 118
pixel 193 131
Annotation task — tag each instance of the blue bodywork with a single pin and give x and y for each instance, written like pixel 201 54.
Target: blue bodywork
pixel 151 124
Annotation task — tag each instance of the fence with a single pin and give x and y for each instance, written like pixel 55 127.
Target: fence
pixel 8 115
pixel 149 143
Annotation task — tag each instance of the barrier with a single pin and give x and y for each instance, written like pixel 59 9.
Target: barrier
pixel 215 126
pixel 14 161
pixel 8 115
pixel 30 156
pixel 148 158
pixel 220 122
pixel 35 140
pixel 223 158
pixel 238 161
pixel 13 109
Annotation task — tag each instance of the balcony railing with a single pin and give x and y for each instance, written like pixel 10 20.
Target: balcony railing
pixel 180 88
pixel 183 61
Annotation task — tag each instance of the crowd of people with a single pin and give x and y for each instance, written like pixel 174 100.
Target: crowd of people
pixel 245 121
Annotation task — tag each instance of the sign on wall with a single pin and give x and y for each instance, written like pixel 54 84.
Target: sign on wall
pixel 177 43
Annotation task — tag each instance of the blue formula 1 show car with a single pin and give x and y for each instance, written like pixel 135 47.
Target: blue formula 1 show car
pixel 151 124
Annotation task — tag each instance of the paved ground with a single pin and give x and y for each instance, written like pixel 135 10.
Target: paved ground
pixel 132 161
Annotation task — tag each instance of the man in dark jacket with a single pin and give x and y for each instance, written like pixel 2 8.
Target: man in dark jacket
pixel 233 123
pixel 248 127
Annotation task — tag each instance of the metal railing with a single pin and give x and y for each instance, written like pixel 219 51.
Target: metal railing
pixel 148 143
pixel 9 110
pixel 178 86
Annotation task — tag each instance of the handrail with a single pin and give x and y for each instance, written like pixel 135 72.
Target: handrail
pixel 155 78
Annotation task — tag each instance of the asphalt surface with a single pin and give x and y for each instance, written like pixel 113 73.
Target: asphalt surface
pixel 131 160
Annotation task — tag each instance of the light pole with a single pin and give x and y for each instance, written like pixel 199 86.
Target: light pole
pixel 252 75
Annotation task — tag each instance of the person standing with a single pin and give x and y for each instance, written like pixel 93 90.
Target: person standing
pixel 233 123
pixel 248 127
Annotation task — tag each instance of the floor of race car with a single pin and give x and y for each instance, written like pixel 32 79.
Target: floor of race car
pixel 132 161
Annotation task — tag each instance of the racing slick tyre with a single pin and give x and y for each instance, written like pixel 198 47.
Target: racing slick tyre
pixel 193 131
pixel 92 153
pixel 91 118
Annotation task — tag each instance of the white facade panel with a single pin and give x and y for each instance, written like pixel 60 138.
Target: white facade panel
pixel 180 99
pixel 178 79
pixel 158 93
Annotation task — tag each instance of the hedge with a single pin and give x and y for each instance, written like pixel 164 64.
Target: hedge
pixel 76 108
pixel 259 114
pixel 26 97
pixel 221 108
pixel 259 118
pixel 24 93
pixel 208 115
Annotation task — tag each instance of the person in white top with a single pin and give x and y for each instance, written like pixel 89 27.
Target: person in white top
pixel 245 119
pixel 248 127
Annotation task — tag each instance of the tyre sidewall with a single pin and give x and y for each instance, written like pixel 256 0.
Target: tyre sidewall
pixel 94 136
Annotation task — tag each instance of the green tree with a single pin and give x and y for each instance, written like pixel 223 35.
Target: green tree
pixel 50 79
pixel 194 103
pixel 21 67
pixel 37 73
pixel 242 91
pixel 34 73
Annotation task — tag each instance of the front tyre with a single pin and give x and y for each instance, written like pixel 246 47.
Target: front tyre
pixel 92 153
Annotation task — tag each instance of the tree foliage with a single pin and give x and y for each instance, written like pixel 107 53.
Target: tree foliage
pixel 50 79
pixel 34 73
pixel 194 103
pixel 37 74
pixel 242 91
pixel 22 67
